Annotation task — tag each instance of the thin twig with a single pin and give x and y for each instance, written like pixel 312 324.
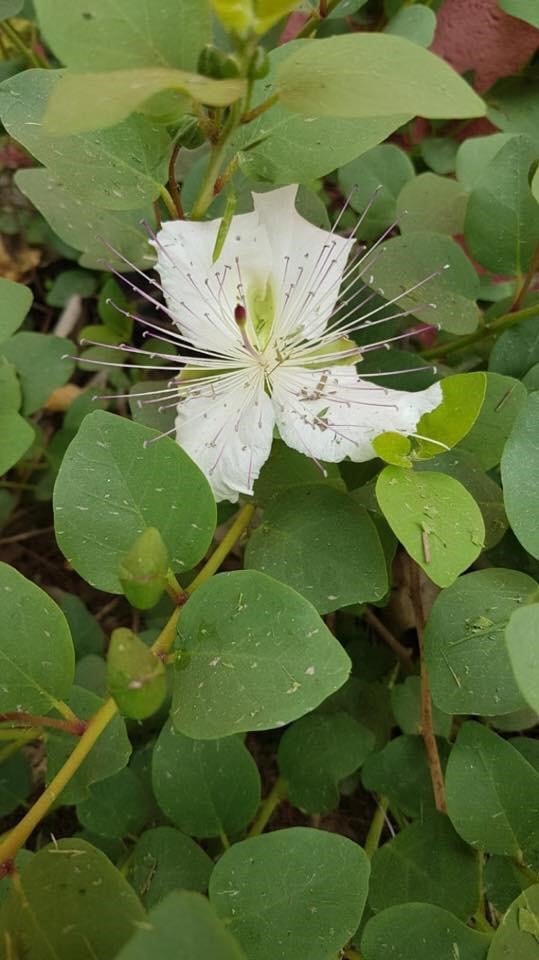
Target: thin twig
pixel 527 282
pixel 172 181
pixel 427 724
pixel 404 654
pixel 26 535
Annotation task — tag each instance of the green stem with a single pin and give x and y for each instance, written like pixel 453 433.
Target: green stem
pixel 33 59
pixel 488 329
pixel 101 719
pixel 207 191
pixel 169 202
pixel 377 825
pixel 526 871
pixel 262 107
pixel 268 807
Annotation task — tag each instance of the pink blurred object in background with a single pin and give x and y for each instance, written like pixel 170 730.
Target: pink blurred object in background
pixel 476 35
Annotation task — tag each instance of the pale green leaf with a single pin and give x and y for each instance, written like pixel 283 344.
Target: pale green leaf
pixel 520 468
pixel 491 792
pixel 435 518
pixel 70 903
pixel 295 894
pixel 36 655
pixel 182 925
pixel 522 639
pixel 205 787
pixel 324 545
pixel 86 101
pixel 285 147
pixel 373 75
pixel 253 654
pixel 95 35
pixel 111 488
pixel 465 651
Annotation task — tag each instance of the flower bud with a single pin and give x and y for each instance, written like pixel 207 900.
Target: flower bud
pixel 143 571
pixel 188 132
pixel 135 676
pixel 213 62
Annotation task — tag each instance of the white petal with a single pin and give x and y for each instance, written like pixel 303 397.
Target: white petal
pixel 333 414
pixel 201 294
pixel 227 429
pixel 308 264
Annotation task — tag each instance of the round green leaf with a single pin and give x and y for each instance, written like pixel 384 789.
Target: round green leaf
pixel 440 154
pixel 416 23
pixel 36 655
pixel 420 931
pixel 316 753
pixel 522 640
pixel 16 437
pixel 92 35
pixel 16 301
pixel 286 468
pixel 517 350
pixel 165 860
pixel 10 391
pixel 361 75
pixel 474 155
pixel 88 636
pixel 434 517
pixel 111 488
pixel 413 257
pixel 385 166
pixel 491 792
pixel 517 937
pixel 504 397
pixel 89 101
pixel 504 881
pixel 430 202
pixel 400 771
pixel 520 468
pixel 81 226
pixel 405 869
pixel 286 148
pixel 448 423
pixel 70 904
pixel 502 217
pixel 15 784
pixel 206 787
pixel 294 894
pixel 110 753
pixel 465 649
pixel 465 468
pixel 324 545
pixel 41 363
pixel 253 654
pixel 182 925
pixel 115 807
pixel 119 169
pixel 70 283
pixel 406 705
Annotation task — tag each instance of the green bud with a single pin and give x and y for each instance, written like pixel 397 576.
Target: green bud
pixel 260 64
pixel 188 132
pixel 211 61
pixel 136 678
pixel 143 571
